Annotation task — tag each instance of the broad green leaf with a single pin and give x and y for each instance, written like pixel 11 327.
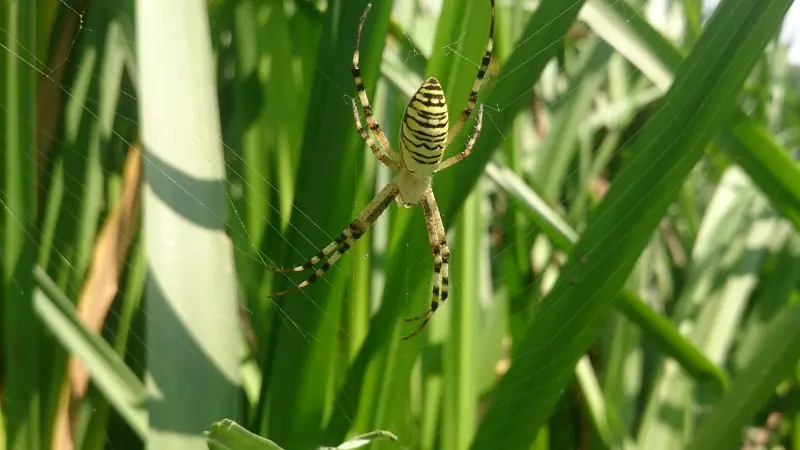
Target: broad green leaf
pixel 670 144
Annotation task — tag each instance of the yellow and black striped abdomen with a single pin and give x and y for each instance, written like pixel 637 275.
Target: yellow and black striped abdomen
pixel 423 134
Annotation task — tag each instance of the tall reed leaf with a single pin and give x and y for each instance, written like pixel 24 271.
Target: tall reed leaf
pixel 190 299
pixel 22 330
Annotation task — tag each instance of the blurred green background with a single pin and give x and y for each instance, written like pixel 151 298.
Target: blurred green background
pixel 625 268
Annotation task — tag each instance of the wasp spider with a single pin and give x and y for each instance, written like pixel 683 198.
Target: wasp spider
pixel 424 136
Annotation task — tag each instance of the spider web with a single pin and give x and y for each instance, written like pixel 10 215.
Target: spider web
pixel 61 81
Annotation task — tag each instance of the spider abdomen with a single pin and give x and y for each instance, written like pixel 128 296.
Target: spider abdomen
pixel 423 134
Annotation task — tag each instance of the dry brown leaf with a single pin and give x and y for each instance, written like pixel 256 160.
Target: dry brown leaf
pixel 49 97
pixel 97 294
pixel 108 259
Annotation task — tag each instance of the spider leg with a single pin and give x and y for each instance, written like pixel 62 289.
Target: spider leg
pixel 323 254
pixel 476 85
pixel 333 251
pixel 437 238
pixel 362 93
pixel 387 160
pixel 463 155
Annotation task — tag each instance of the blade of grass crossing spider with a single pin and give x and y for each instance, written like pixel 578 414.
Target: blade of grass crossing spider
pixel 366 376
pixel 22 331
pixel 404 292
pixel 460 40
pixel 367 264
pixel 270 176
pixel 569 318
pixel 192 327
pixel 466 24
pixel 408 266
pixel 307 323
pixel 384 395
pixel 413 256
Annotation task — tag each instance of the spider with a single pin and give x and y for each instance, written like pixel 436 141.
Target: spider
pixel 424 136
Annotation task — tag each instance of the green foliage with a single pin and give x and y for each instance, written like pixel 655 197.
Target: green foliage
pixel 624 235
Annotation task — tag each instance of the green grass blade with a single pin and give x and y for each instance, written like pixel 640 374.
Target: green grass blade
pixel 603 414
pixel 460 393
pixel 568 319
pixel 622 26
pixel 307 323
pixel 22 337
pixel 771 301
pixel 767 163
pixel 658 328
pixel 777 357
pixel 192 325
pixel 119 385
pixel 770 166
pixel 408 295
pixel 569 112
pixel 726 257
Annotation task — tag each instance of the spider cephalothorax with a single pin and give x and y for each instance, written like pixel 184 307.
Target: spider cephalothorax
pixel 424 137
